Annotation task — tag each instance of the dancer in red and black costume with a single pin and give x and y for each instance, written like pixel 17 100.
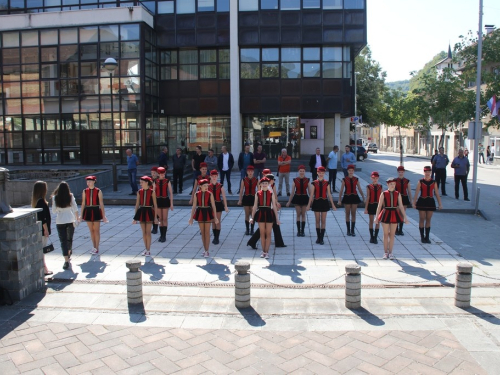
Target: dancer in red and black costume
pixel 203 176
pixel 300 198
pixel 145 211
pixel 403 187
pixel 427 187
pixel 265 213
pixel 219 194
pixel 93 212
pixel 350 187
pixel 248 187
pixel 390 212
pixel 204 212
pixel 373 192
pixel 318 201
pixel 164 200
pixel 154 178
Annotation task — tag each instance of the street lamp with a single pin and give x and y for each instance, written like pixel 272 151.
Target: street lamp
pixel 110 65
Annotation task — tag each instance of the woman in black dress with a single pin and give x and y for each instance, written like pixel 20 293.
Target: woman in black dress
pixel 248 186
pixel 300 198
pixel 403 187
pixel 425 204
pixel 164 200
pixel 145 211
pixel 219 194
pixel 318 201
pixel 350 187
pixel 38 200
pixel 204 212
pixel 93 212
pixel 373 192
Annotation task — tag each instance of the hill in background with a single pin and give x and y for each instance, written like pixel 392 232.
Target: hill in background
pixel 399 85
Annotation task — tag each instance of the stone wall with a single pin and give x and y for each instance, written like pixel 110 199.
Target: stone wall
pixel 21 255
pixel 19 191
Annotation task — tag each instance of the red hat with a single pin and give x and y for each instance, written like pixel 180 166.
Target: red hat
pixel 375 174
pixel 154 169
pixel 146 178
pixel 351 166
pixel 203 165
pixel 203 182
pixel 427 168
pixel 251 167
pixel 214 172
pixel 91 178
pixel 264 179
pixel 321 169
pixel 401 168
pixel 302 166
pixel 161 170
pixel 266 171
pixel 390 179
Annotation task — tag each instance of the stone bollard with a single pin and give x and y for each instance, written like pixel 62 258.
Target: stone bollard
pixel 134 282
pixel 353 286
pixel 242 285
pixel 463 284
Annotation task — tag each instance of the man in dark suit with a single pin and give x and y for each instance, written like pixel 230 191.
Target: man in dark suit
pixel 225 163
pixel 317 160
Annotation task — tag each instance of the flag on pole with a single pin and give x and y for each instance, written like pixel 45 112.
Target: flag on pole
pixel 492 105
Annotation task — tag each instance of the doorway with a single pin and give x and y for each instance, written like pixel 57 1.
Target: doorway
pixel 90 147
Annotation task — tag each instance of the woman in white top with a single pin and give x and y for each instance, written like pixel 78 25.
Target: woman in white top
pixel 64 205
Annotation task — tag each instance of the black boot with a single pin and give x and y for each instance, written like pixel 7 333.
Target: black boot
pixel 318 234
pixel 155 229
pixel 252 242
pixel 321 236
pixel 353 224
pixel 422 238
pixel 303 227
pixel 375 237
pixel 251 228
pixel 348 225
pixel 371 235
pixel 162 236
pixel 247 226
pixel 278 238
pixel 298 229
pixel 427 232
pixel 397 230
pixel 401 229
pixel 216 236
pixel 213 232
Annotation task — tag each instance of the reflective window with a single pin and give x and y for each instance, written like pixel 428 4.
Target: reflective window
pixel 68 36
pixel 249 5
pixel 49 37
pixel 310 4
pixel 270 54
pixel 222 5
pixel 107 33
pixel 188 57
pixel 354 4
pixel 311 70
pixel 311 54
pixel 10 39
pixel 332 53
pixel 165 7
pixel 29 38
pixel 185 6
pixel 290 54
pixel 332 70
pixel 332 4
pixel 290 4
pixel 290 70
pixel 250 54
pixel 270 70
pixel 268 4
pixel 129 32
pixel 206 5
pixel 209 55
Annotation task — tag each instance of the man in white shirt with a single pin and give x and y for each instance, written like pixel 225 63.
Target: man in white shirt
pixel 225 163
pixel 317 160
pixel 332 162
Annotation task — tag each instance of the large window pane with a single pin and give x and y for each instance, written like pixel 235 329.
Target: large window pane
pixel 311 54
pixel 206 5
pixel 222 5
pixel 332 4
pixel 347 53
pixel 29 38
pixel 168 72
pixel 290 70
pixel 188 72
pixel 68 36
pixel 48 54
pixel 208 56
pixel 48 37
pixel 129 49
pixel 270 54
pixel 250 70
pixel 108 33
pixel 31 89
pixel 188 57
pixel 224 55
pixel 185 6
pixel 50 88
pixel 49 71
pixel 290 54
pixel 31 106
pixel 310 4
pixel 169 57
pixel 250 55
pixel 10 39
pixel 88 34
pixel 68 53
pixel 89 68
pixel 32 139
pixel 269 4
pixel 332 70
pixel 165 7
pixel 10 56
pixel 311 70
pixel 129 32
pixel 270 70
pixel 12 89
pixel 290 4
pixel 354 4
pixel 208 71
pixel 224 71
pixel 332 53
pixel 249 5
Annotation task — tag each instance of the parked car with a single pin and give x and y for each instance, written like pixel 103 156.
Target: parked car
pixel 372 147
pixel 361 152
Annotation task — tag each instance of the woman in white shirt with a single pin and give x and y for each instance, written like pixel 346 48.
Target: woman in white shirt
pixel 64 205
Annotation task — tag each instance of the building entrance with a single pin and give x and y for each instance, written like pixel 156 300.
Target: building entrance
pixel 90 147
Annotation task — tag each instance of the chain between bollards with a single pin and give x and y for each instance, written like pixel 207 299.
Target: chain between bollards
pixel 134 282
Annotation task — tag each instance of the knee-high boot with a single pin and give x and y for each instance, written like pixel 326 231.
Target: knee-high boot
pixel 252 242
pixel 321 236
pixel 371 235
pixel 298 229
pixel 422 237
pixel 155 229
pixel 251 227
pixel 216 236
pixel 278 239
pixel 375 237
pixel 247 226
pixel 427 232
pixel 353 224
pixel 318 234
pixel 348 225
pixel 303 227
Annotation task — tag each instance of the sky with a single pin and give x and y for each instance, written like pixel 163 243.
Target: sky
pixel 405 34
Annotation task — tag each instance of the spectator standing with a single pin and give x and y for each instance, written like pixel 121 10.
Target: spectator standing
pixel 347 159
pixel 245 160
pixel 163 158
pixel 197 159
pixel 132 163
pixel 466 152
pixel 489 158
pixel 461 165
pixel 432 163
pixel 317 160
pixel 38 200
pixel 332 162
pixel 284 161
pixel 178 163
pixel 259 160
pixel 211 161
pixel 481 153
pixel 441 161
pixel 225 163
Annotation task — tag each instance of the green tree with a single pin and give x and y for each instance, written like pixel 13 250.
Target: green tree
pixel 415 81
pixel 370 81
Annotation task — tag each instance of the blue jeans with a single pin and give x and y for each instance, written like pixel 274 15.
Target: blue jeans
pixel 243 173
pixel 132 179
pixel 65 232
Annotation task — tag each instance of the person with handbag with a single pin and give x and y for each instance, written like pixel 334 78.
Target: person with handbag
pixel 64 205
pixel 38 201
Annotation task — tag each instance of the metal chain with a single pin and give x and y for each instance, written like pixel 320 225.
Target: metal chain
pixel 297 286
pixel 487 277
pixel 408 282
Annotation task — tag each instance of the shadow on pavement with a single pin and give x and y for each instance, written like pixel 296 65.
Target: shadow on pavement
pixel 368 317
pixel 93 266
pixel 154 270
pixel 252 317
pixel 292 271
pixel 422 273
pixel 492 319
pixel 67 277
pixel 137 313
pixel 214 268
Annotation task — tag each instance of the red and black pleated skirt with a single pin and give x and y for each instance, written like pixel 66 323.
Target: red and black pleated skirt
pixel 264 215
pixel 203 214
pixel 390 216
pixel 163 202
pixel 145 214
pixel 92 213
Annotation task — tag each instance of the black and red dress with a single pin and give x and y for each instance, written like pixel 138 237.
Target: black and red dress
pixel 390 214
pixel 161 191
pixel 402 188
pixel 350 191
pixel 204 212
pixel 249 188
pixel 301 196
pixel 216 190
pixel 145 213
pixel 426 200
pixel 264 213
pixel 375 191
pixel 92 210
pixel 320 199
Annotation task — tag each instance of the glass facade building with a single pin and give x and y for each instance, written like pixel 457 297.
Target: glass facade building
pixel 174 83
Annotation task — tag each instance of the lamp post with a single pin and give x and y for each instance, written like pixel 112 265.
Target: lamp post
pixel 110 65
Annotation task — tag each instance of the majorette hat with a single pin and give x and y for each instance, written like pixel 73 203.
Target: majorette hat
pixel 302 166
pixel 214 172
pixel 154 169
pixel 270 176
pixel 203 165
pixel 375 174
pixel 203 182
pixel 161 170
pixel 401 168
pixel 250 167
pixel 266 171
pixel 146 178
pixel 264 179
pixel 321 169
pixel 91 178
pixel 351 166
pixel 390 179
pixel 427 168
